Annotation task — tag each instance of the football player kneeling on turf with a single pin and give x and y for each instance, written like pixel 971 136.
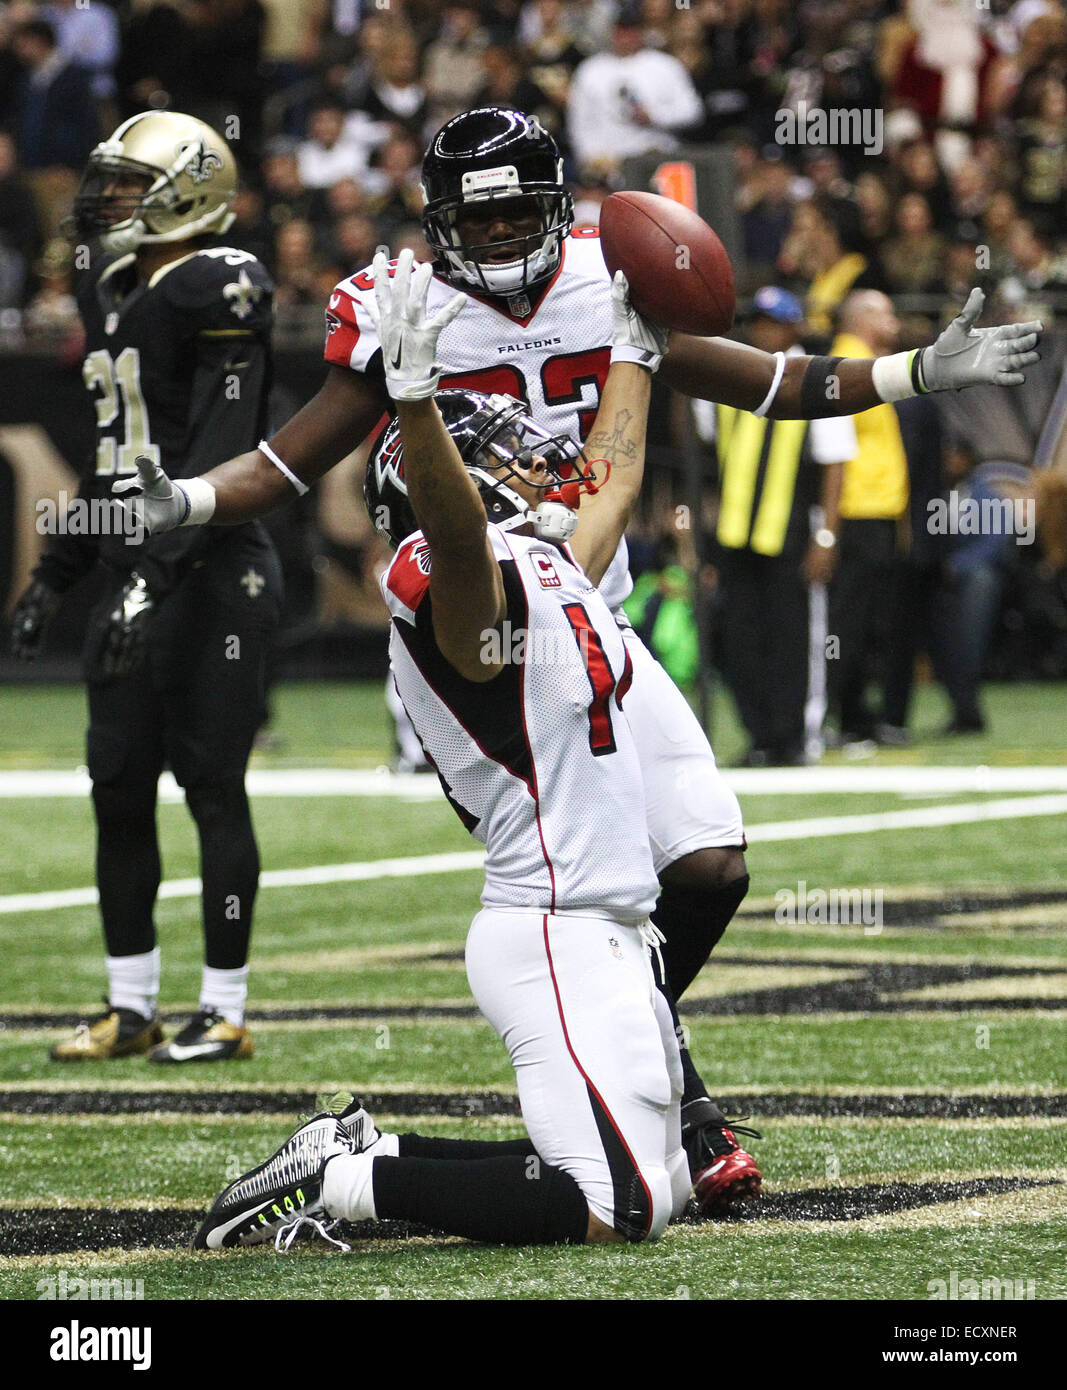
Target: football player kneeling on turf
pixel 177 335
pixel 515 675
pixel 537 324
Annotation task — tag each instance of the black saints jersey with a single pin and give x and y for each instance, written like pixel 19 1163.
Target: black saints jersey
pixel 178 369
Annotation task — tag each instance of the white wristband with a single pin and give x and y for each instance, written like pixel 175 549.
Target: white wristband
pixel 892 376
pixel 400 389
pixel 641 357
pixel 779 372
pixel 264 448
pixel 201 498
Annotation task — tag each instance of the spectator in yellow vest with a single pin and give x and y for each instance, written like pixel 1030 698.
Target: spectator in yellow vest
pixel 775 546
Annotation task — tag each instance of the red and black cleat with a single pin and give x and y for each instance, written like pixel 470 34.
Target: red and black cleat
pixel 723 1173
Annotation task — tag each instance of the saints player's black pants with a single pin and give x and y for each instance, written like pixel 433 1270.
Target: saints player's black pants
pixel 765 645
pixel 194 706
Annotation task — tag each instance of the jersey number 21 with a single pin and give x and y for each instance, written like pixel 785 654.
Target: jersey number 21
pixel 119 377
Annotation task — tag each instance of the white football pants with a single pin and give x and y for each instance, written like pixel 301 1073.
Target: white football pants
pixel 595 1056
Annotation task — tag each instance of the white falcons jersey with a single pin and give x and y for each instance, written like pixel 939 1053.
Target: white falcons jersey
pixel 552 353
pixel 539 762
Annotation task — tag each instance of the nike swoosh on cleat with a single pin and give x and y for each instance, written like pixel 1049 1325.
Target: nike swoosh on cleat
pixel 181 1053
pixel 216 1237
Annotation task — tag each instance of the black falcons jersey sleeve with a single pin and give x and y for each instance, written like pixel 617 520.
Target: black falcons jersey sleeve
pixel 178 369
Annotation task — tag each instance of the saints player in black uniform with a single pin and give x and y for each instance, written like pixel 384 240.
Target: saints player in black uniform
pixel 178 362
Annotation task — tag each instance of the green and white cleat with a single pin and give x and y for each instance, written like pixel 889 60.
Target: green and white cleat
pixel 349 1110
pixel 275 1200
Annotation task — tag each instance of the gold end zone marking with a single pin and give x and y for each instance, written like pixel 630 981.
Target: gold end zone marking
pixel 993 987
pixel 723 980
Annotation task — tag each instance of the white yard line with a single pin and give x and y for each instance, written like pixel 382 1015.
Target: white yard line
pixel 762 781
pixel 962 813
pixel 361 871
pixel 269 878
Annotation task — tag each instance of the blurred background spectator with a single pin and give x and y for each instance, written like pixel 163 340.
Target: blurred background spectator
pixel 329 104
pixel 873 505
pixel 776 540
pixel 20 231
pixel 631 99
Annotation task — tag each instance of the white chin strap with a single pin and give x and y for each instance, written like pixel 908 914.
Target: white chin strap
pixel 511 276
pixel 554 522
pixel 127 236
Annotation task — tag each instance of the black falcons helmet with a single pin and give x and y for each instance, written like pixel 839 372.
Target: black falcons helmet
pixel 491 433
pixel 483 156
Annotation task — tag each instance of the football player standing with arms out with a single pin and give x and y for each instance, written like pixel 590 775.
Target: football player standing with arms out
pixel 537 325
pixel 178 362
pixel 541 765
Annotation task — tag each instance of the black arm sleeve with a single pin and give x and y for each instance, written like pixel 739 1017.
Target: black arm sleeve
pixel 815 388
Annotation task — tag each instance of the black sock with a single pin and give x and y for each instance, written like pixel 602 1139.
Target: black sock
pixel 229 862
pixel 127 865
pixel 693 920
pixel 504 1201
pixel 422 1146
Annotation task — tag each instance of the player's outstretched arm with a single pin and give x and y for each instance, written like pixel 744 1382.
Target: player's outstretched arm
pixel 807 388
pixel 466 588
pixel 334 422
pixel 330 426
pixel 618 433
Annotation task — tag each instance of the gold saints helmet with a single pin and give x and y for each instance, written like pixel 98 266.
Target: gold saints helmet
pixel 161 177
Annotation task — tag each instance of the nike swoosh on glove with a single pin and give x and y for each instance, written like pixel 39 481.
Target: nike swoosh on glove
pixel 408 337
pixel 967 356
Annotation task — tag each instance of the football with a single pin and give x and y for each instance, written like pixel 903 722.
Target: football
pixel 680 275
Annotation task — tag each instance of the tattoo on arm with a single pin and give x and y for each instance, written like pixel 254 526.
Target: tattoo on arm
pixel 616 444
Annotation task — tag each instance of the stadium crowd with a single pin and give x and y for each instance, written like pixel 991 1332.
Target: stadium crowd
pixel 955 176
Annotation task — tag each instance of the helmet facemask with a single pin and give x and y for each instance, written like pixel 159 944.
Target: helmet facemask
pixel 536 255
pixel 497 441
pixel 568 474
pixel 162 212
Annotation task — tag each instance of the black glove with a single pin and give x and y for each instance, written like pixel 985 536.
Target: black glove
pixel 33 612
pixel 122 648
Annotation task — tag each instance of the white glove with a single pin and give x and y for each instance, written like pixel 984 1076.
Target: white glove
pixel 633 338
pixel 967 356
pixel 408 337
pixel 157 503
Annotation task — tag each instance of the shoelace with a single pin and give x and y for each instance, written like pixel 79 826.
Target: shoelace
pixel 287 1234
pixel 715 1140
pixel 204 1020
pixel 746 1130
pixel 653 938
